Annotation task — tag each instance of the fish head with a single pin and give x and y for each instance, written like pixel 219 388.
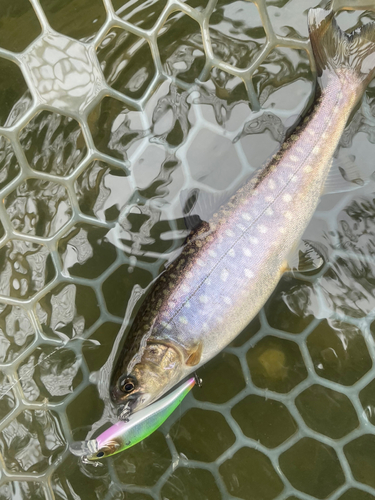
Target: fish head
pixel 158 370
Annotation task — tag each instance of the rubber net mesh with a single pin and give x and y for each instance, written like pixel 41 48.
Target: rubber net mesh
pixel 107 111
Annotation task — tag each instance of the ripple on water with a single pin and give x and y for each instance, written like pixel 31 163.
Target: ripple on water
pixel 32 441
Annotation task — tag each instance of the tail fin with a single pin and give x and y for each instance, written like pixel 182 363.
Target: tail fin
pixel 334 49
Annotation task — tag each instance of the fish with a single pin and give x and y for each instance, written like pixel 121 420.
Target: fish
pixel 233 260
pixel 124 434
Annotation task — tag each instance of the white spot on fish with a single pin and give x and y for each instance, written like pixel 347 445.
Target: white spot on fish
pixel 183 320
pixel 324 136
pixel 308 168
pixel 271 184
pixel 294 158
pixel 227 300
pixel 269 211
pixel 231 253
pixel 293 179
pixel 288 215
pixel 247 252
pixel 245 216
pixel 203 299
pixel 253 240
pixel 242 227
pixel 310 131
pixel 282 230
pixel 212 253
pixel 287 198
pixel 224 275
pixel 299 150
pixel 185 288
pixel 262 229
pixel 316 150
pixel 229 233
pixel 201 263
pixel 168 327
pixel 219 319
pixel 248 273
pixel 269 198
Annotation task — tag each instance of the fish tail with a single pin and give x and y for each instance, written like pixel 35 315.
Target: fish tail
pixel 339 52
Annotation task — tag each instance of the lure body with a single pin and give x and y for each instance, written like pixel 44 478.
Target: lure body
pixel 124 434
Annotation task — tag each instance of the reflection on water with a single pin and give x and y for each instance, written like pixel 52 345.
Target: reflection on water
pixel 116 129
pixel 236 32
pixel 126 62
pixel 32 441
pixel 9 165
pixel 22 490
pixel 102 191
pixel 65 73
pixel 53 143
pixel 68 310
pixel 92 214
pixel 64 16
pixel 16 333
pixel 14 96
pixel 25 268
pixel 138 12
pixel 38 207
pixel 51 374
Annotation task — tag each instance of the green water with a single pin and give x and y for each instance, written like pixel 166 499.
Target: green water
pixel 97 142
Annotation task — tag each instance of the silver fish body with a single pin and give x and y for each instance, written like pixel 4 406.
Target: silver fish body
pixel 232 263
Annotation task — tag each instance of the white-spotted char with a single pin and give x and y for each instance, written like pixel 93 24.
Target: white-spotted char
pixel 231 263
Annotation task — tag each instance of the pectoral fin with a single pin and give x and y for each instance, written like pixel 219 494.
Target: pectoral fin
pixel 199 205
pixel 194 355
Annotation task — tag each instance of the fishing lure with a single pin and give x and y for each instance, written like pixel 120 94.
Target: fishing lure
pixel 124 434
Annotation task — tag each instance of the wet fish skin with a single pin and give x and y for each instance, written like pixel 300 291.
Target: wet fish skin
pixel 232 263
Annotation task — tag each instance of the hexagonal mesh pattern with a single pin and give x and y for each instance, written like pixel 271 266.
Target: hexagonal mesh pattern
pixel 108 109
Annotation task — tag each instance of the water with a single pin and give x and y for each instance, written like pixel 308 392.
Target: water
pixel 104 119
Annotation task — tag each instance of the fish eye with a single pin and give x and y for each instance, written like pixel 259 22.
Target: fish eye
pixel 100 454
pixel 126 385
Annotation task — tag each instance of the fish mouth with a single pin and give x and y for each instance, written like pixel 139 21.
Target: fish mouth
pixel 124 411
pixel 131 405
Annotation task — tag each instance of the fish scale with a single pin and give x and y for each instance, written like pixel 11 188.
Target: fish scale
pixel 233 261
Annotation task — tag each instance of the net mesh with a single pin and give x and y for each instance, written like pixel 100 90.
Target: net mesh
pixel 107 111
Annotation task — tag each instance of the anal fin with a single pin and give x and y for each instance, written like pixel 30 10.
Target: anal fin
pixel 343 175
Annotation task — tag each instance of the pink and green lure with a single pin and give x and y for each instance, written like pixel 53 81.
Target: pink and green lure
pixel 124 434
